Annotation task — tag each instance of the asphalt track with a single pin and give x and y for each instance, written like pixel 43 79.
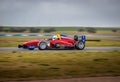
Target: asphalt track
pixel 87 79
pixel 87 49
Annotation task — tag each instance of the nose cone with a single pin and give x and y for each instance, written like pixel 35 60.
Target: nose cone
pixel 31 43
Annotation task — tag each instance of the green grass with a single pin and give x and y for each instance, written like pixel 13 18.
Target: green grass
pixel 72 31
pixel 14 41
pixel 50 65
pixel 99 32
pixel 103 42
pixel 68 30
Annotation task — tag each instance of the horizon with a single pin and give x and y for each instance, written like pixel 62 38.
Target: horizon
pixel 56 27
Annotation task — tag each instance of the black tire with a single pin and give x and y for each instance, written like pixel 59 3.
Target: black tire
pixel 76 37
pixel 42 46
pixel 80 45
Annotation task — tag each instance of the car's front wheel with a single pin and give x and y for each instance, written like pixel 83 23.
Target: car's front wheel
pixel 80 45
pixel 42 46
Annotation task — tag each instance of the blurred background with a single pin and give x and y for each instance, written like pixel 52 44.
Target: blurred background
pixel 39 19
pixel 25 20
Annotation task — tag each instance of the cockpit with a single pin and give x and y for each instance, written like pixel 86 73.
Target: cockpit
pixel 56 37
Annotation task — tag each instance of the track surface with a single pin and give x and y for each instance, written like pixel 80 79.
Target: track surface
pixel 87 49
pixel 87 79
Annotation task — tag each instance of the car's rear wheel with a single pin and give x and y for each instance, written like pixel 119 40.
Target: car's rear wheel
pixel 80 45
pixel 42 46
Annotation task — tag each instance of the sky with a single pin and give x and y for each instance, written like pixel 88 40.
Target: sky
pixel 89 13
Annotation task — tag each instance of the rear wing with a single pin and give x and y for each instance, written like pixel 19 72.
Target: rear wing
pixel 80 38
pixel 83 38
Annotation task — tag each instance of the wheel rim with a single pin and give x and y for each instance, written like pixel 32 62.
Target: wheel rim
pixel 80 45
pixel 43 45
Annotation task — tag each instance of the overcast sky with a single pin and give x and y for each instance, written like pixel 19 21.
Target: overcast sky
pixel 60 13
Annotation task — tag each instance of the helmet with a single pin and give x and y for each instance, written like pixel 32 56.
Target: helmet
pixel 58 36
pixel 54 37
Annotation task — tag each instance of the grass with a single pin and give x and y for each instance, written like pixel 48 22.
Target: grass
pixel 103 42
pixel 99 32
pixel 50 65
pixel 73 31
pixel 14 41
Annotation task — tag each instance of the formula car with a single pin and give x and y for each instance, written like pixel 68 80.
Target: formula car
pixel 59 41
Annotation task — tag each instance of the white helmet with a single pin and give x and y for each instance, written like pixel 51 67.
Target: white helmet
pixel 54 37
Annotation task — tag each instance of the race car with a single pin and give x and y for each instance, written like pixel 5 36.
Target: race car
pixel 58 41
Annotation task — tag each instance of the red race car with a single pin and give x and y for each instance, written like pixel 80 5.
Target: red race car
pixel 59 41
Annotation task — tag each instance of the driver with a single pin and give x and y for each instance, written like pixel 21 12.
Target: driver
pixel 56 37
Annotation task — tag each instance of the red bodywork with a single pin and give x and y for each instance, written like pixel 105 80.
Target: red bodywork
pixel 63 41
pixel 31 43
pixel 67 42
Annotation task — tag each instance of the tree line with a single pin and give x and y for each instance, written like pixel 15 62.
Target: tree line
pixel 46 30
pixel 93 30
pixel 30 29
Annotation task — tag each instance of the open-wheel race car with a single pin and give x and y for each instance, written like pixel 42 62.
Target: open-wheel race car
pixel 59 41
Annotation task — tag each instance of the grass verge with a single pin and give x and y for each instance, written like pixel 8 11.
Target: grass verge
pixel 50 65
